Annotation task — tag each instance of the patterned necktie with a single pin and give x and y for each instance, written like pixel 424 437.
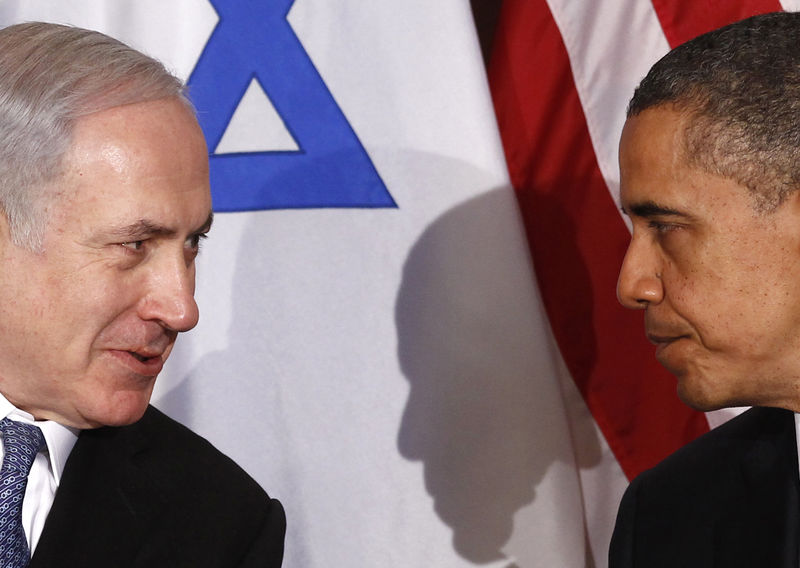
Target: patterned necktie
pixel 21 443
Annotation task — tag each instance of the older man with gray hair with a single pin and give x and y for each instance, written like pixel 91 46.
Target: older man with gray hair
pixel 105 199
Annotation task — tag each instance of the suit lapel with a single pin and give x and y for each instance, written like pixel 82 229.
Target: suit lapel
pixel 761 525
pixel 105 505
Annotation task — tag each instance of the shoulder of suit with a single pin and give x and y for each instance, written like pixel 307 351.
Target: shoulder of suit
pixel 173 447
pixel 718 451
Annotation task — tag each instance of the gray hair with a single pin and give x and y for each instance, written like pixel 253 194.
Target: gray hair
pixel 739 86
pixel 51 75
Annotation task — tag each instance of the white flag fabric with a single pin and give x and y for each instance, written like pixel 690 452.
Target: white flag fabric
pixel 371 347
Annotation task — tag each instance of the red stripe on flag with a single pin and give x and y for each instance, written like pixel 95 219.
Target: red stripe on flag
pixel 578 240
pixel 682 20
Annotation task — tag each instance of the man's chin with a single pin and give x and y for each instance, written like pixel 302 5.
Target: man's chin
pixel 696 393
pixel 121 419
pixel 692 387
pixel 120 411
pixel 703 404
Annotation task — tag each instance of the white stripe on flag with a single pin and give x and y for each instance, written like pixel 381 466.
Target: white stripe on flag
pixel 611 45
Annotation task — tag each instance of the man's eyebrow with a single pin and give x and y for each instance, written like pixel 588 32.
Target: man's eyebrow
pixel 142 228
pixel 147 228
pixel 649 209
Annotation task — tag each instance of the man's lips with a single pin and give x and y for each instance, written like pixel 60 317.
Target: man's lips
pixel 145 363
pixel 657 339
pixel 662 341
pixel 142 348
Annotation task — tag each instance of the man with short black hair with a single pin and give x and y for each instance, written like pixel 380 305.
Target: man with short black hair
pixel 710 168
pixel 104 200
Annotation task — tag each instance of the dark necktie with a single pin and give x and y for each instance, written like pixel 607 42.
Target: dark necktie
pixel 21 443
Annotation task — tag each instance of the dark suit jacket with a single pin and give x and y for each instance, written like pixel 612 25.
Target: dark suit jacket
pixel 729 499
pixel 154 494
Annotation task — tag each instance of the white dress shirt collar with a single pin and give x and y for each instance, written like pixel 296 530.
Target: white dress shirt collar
pixel 60 439
pixel 797 437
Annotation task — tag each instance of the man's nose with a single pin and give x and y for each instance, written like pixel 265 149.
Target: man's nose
pixel 639 283
pixel 170 295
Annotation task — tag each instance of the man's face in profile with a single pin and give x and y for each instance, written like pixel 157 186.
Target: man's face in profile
pixel 719 283
pixel 87 323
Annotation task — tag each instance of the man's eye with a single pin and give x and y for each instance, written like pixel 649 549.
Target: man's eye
pixel 133 245
pixel 663 228
pixel 193 242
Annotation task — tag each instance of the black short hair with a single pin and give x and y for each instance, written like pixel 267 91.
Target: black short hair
pixel 740 88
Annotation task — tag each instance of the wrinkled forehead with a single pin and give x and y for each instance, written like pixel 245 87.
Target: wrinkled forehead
pixel 143 161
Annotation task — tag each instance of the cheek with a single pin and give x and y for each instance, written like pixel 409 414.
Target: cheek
pixel 711 304
pixel 714 281
pixel 747 320
pixel 93 301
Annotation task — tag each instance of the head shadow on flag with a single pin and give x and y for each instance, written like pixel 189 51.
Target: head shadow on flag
pixel 471 345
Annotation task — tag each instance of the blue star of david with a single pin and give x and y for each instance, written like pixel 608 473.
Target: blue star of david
pixel 253 39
